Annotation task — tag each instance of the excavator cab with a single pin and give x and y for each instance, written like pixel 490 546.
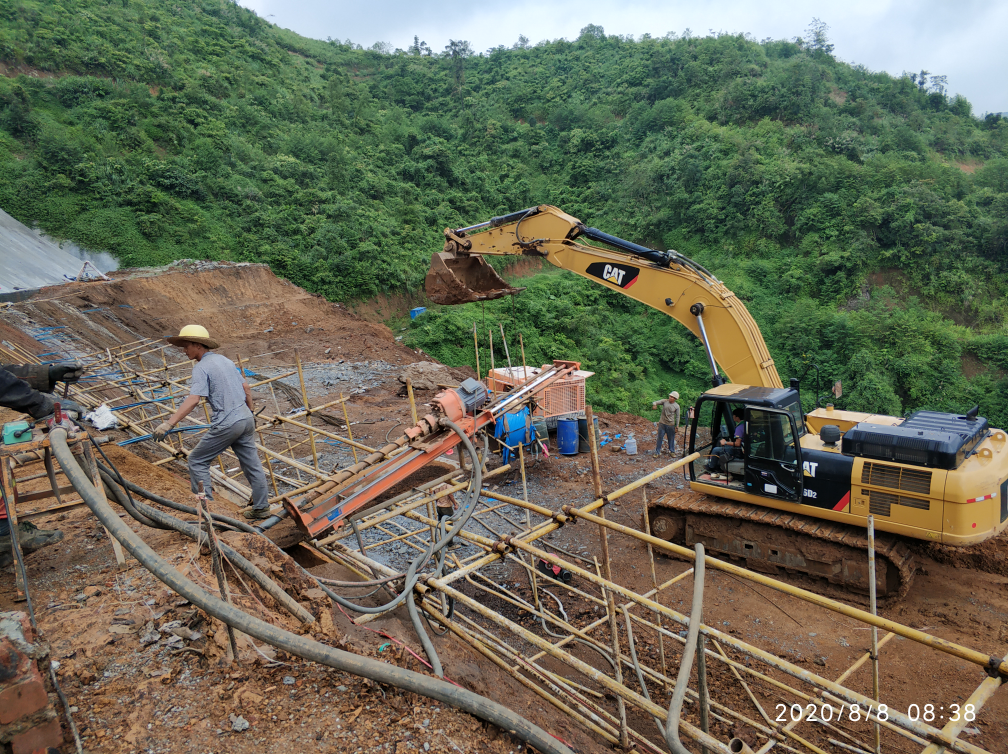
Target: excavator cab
pixel 463 279
pixel 769 464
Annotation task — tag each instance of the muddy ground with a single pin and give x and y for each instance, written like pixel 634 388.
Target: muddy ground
pixel 174 694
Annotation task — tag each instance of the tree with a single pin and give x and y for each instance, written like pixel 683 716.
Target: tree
pixel 418 47
pixel 458 51
pixel 816 39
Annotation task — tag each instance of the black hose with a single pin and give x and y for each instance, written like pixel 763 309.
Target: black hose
pixel 234 523
pixel 128 503
pixel 301 646
pixel 227 521
pixel 238 560
pixel 460 517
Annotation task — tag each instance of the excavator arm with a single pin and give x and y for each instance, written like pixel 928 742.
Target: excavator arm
pixel 666 281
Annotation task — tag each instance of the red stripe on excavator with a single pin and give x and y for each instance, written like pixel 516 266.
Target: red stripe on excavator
pixel 982 498
pixel 843 502
pixel 631 282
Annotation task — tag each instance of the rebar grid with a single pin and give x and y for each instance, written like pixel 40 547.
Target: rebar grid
pixel 142 387
pixel 586 670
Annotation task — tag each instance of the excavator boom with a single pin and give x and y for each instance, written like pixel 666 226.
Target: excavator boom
pixel 675 285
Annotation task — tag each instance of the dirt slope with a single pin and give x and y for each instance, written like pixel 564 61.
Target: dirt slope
pixel 246 307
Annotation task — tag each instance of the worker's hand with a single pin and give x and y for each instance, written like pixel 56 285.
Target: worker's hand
pixel 161 431
pixel 70 372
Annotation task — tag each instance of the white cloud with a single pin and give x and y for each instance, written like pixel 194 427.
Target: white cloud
pixel 964 41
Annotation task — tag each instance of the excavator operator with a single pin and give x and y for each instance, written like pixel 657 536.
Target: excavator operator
pixel 729 449
pixel 27 388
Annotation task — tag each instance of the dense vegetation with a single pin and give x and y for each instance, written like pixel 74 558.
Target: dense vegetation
pixel 158 130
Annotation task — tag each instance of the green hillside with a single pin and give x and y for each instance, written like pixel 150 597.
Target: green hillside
pixel 863 218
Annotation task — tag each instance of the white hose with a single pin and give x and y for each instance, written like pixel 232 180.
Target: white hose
pixel 682 680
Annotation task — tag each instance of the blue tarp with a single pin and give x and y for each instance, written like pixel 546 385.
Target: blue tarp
pixel 520 431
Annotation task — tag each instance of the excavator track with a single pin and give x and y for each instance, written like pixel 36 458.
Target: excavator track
pixel 779 543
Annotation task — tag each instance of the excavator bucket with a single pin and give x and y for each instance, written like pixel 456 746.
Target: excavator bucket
pixel 464 279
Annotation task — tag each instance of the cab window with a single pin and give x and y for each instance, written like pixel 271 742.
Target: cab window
pixel 795 410
pixel 770 436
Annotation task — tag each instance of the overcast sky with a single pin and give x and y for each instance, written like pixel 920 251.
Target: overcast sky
pixel 965 40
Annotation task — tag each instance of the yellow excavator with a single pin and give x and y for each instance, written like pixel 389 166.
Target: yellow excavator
pixel 796 496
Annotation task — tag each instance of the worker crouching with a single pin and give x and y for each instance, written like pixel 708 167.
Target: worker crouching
pixel 232 424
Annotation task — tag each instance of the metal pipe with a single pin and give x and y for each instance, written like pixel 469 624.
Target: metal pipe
pixel 346 418
pixel 579 665
pixel 990 664
pixel 702 692
pixel 476 349
pixel 834 689
pixel 506 351
pixel 978 699
pixel 304 397
pixel 874 629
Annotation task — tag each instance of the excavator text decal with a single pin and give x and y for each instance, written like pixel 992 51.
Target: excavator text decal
pixel 623 276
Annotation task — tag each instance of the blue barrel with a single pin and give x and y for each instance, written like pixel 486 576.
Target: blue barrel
pixel 567 436
pixel 414 313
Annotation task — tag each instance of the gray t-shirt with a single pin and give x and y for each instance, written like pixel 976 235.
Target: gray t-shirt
pixel 217 379
pixel 669 412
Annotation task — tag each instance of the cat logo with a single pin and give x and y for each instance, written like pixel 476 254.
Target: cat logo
pixel 619 275
pixel 809 468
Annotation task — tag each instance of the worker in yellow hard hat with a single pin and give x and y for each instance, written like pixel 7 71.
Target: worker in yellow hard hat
pixel 232 425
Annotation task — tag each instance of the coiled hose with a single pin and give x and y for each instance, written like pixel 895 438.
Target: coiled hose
pixel 234 523
pixel 300 646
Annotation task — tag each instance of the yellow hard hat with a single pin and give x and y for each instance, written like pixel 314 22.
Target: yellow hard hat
pixel 193 334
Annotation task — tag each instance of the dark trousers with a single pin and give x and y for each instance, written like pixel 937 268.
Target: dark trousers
pixel 240 437
pixel 721 456
pixel 666 430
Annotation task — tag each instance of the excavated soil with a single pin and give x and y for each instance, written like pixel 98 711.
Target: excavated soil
pixel 174 695
pixel 245 307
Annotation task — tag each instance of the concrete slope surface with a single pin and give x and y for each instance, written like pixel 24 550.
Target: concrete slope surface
pixel 28 260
